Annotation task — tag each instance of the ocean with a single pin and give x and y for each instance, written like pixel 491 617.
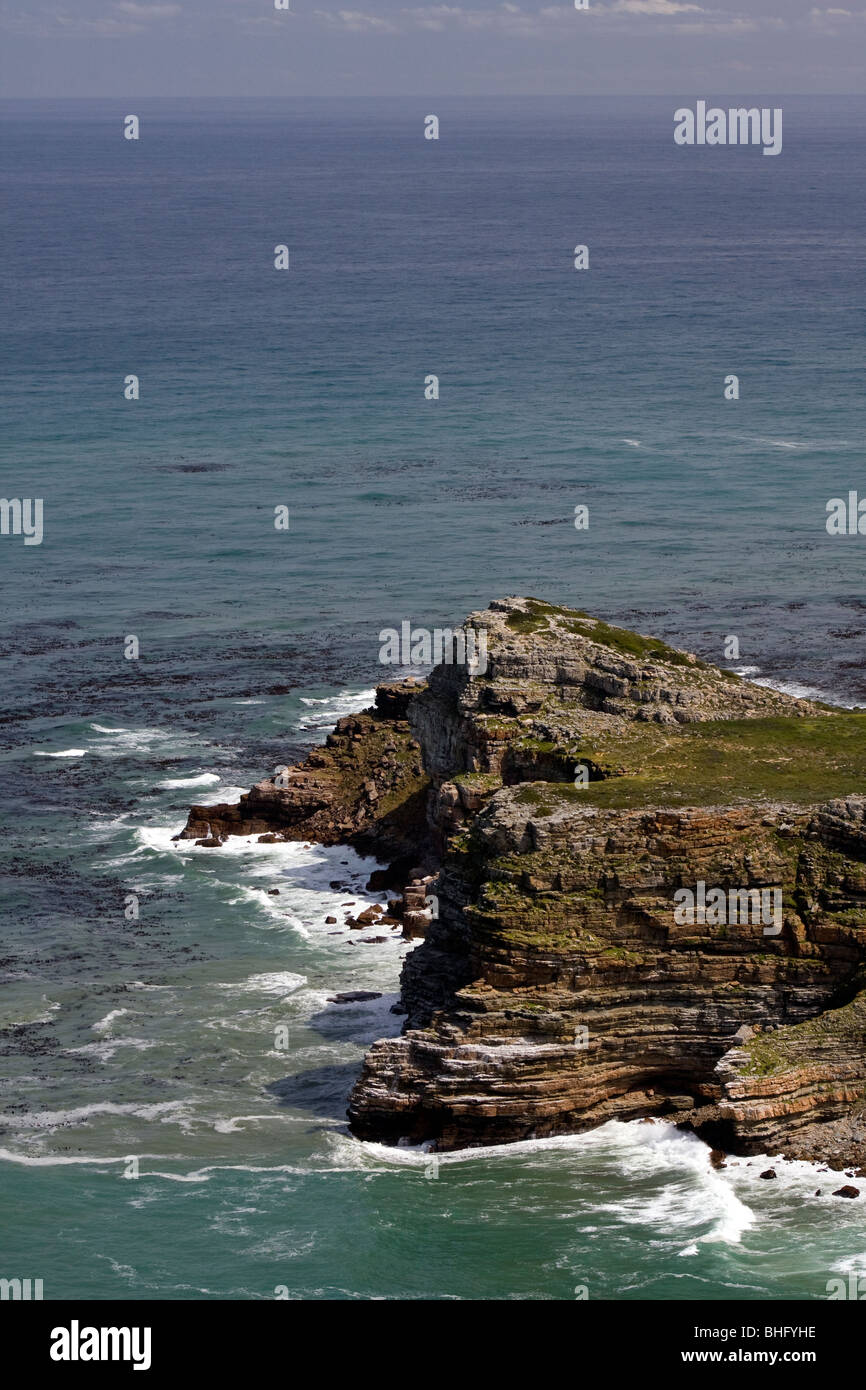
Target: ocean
pixel 174 1073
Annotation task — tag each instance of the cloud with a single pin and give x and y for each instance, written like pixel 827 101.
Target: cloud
pixel 834 20
pixel 356 22
pixel 145 12
pixel 54 21
pixel 731 24
pixel 560 22
pixel 553 21
pixel 550 21
pixel 507 18
pixel 652 7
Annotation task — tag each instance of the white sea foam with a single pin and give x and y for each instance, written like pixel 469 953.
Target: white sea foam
pixel 669 1182
pixel 231 795
pixel 272 906
pixel 42 1015
pixel 303 872
pixel 326 711
pixel 65 753
pixel 852 1264
pixel 797 691
pixel 104 1051
pixel 276 982
pixel 52 1119
pixel 104 1024
pixel 161 838
pixel 120 743
pixel 201 779
pixel 55 1160
pixel 236 1123
pixel 691 1191
pixel 787 443
pixel 784 443
pixel 196 1175
pixel 204 1174
pixel 125 1271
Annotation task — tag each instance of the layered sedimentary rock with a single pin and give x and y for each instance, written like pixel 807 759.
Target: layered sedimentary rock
pixel 367 786
pixel 797 1090
pixel 571 995
pixel 567 794
pixel 555 674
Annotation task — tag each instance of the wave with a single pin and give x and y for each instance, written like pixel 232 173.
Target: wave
pixel 814 445
pixel 798 691
pixel 55 1161
pixel 852 1264
pixel 103 1024
pixel 53 1119
pixel 225 794
pixel 783 443
pixel 42 1015
pixel 161 839
pixel 104 1051
pixel 235 1123
pixel 273 906
pixel 122 742
pixel 668 1181
pixel 277 982
pixel 105 741
pixel 195 1175
pixel 326 711
pixel 201 779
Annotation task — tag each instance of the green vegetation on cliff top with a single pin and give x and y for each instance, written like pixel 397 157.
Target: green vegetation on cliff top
pixel 631 644
pixel 784 1049
pixel 802 761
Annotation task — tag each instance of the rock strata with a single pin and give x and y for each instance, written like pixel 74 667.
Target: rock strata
pixel 366 787
pixel 557 804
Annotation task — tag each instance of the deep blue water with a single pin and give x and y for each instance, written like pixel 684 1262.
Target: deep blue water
pixel 306 388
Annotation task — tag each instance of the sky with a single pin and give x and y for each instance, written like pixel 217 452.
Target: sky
pixel 246 48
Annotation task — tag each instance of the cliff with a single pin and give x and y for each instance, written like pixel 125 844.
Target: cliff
pixel 366 787
pixel 567 796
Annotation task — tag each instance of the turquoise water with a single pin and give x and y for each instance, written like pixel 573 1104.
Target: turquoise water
pixel 155 1038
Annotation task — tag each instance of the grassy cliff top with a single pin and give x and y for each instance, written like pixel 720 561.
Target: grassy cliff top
pixel 720 762
pixel 540 617
pixel 835 1033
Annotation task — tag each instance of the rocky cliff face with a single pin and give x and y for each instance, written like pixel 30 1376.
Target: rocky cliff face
pixel 567 795
pixel 798 1090
pixel 579 998
pixel 554 675
pixel 366 787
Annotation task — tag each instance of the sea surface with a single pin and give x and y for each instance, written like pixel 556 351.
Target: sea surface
pixel 174 1073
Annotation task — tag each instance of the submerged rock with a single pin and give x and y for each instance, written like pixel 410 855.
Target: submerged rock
pixel 353 996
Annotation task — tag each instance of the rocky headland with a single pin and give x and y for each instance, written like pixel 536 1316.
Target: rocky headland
pixel 541 817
